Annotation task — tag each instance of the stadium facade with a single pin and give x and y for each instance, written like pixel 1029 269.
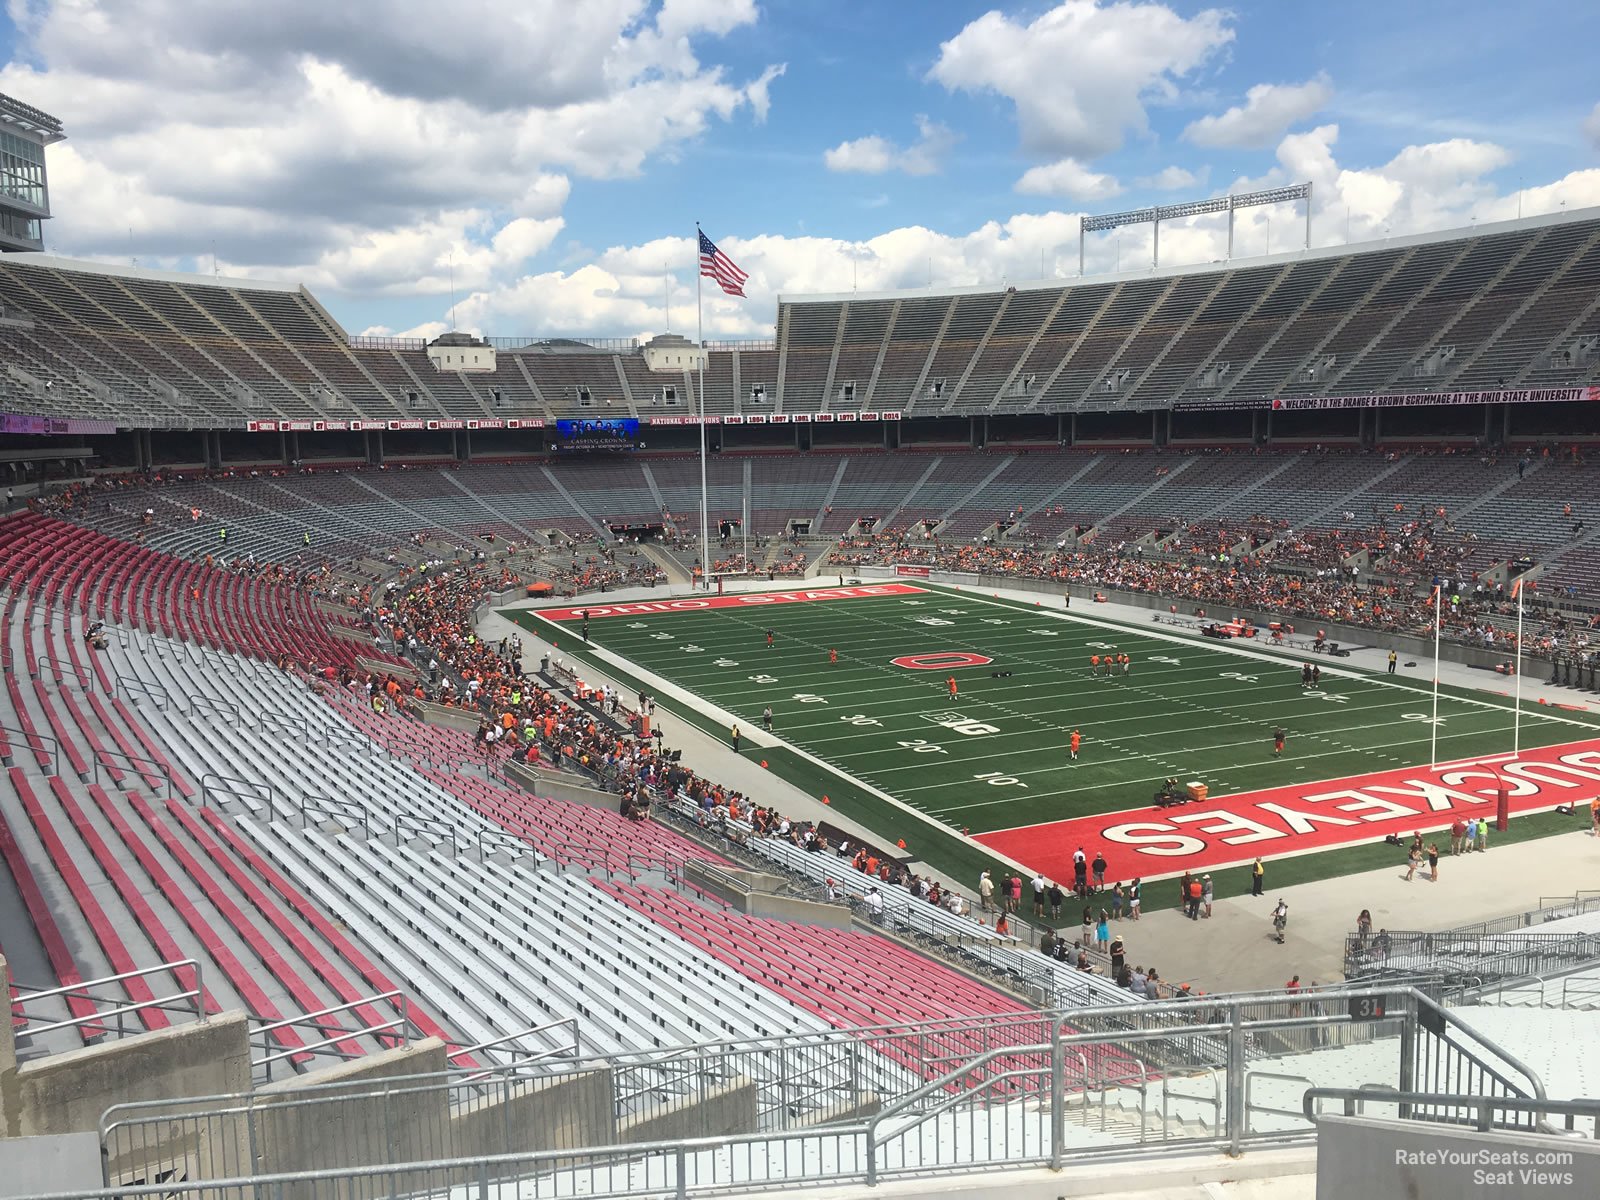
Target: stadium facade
pixel 25 131
pixel 1485 334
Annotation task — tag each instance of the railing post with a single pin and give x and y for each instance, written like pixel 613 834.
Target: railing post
pixel 1408 1055
pixel 683 1174
pixel 1237 1117
pixel 1058 1096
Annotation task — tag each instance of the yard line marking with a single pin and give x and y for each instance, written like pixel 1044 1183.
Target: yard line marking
pixel 1254 655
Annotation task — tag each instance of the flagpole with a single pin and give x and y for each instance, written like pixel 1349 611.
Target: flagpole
pixel 1516 721
pixel 700 391
pixel 1433 726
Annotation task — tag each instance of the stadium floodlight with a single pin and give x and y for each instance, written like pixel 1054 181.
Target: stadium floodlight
pixel 1195 208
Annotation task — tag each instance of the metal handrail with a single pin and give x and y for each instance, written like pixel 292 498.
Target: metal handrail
pixel 342 1035
pixel 223 707
pixel 137 687
pixel 28 738
pixel 404 825
pixel 523 1059
pixel 84 678
pixel 1252 1076
pixel 132 761
pixel 252 789
pixel 402 1023
pixel 327 806
pixel 1484 1106
pixel 1488 1043
pixel 1216 1098
pixel 280 721
pixel 196 993
pixel 941 1082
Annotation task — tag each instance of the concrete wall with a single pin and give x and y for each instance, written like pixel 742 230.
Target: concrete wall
pixel 755 892
pixel 727 1109
pixel 728 883
pixel 350 1128
pixel 34 1166
pixel 68 1092
pixel 558 787
pixel 565 1113
pixel 1407 1160
pixel 790 908
pixel 450 718
pixel 866 1104
pixel 386 668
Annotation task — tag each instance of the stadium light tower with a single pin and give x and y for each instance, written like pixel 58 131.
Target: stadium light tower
pixel 1194 208
pixel 24 189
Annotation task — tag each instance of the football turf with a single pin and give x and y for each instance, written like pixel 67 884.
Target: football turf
pixel 995 755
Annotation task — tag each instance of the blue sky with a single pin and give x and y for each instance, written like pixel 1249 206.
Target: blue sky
pixel 556 168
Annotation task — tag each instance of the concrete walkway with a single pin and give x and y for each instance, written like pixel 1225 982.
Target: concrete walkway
pixel 1234 950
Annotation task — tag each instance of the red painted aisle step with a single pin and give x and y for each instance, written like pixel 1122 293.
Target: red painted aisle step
pixel 44 923
pixel 242 981
pixel 105 933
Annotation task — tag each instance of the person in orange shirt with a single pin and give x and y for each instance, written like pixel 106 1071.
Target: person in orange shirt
pixel 833 656
pixel 951 684
pixel 1094 664
pixel 1074 742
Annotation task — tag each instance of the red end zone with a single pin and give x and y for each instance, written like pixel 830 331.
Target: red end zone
pixel 1302 818
pixel 748 600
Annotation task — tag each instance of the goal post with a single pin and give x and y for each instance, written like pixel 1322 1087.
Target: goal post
pixel 714 581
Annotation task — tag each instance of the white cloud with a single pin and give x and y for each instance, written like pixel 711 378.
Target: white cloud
pixel 1068 177
pixel 758 92
pixel 1171 179
pixel 1081 74
pixel 619 291
pixel 360 151
pixel 874 155
pixel 427 331
pixel 1268 110
pixel 868 155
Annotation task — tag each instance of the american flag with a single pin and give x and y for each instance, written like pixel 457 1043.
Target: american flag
pixel 717 265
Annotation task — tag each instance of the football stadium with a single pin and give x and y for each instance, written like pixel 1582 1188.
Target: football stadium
pixel 1117 733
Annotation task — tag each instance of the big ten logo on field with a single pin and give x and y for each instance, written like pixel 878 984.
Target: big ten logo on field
pixel 941 660
pixel 960 724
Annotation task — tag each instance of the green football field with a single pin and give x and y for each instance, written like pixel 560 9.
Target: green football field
pixel 995 757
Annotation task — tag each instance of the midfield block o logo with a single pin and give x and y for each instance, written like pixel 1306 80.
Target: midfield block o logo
pixel 941 660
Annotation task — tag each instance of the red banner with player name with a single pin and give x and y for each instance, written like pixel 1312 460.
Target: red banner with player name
pixel 1305 817
pixel 749 600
